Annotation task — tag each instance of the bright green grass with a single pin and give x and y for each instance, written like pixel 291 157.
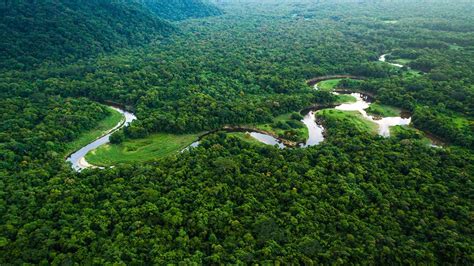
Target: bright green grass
pixel 460 121
pixel 401 61
pixel 456 120
pixel 247 138
pixel 383 110
pixel 328 85
pixel 409 132
pixel 140 150
pixel 345 98
pixel 352 118
pixel 390 21
pixel 301 133
pixel 412 73
pixel 103 127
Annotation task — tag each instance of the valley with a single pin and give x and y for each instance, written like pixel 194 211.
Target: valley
pixel 241 132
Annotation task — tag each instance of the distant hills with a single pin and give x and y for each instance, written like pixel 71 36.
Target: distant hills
pixel 35 32
pixel 181 9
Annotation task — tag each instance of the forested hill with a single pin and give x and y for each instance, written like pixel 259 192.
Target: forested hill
pixel 182 9
pixel 60 31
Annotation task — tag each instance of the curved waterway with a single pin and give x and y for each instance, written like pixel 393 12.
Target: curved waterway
pixel 267 139
pixel 77 159
pixel 315 130
pixel 382 58
pixel 263 138
pixel 384 123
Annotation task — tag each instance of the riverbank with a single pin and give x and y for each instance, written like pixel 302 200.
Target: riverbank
pixel 151 147
pixel 77 158
pixel 103 128
pixel 353 119
pixel 314 81
pixel 286 131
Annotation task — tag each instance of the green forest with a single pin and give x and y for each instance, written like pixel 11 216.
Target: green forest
pixel 180 185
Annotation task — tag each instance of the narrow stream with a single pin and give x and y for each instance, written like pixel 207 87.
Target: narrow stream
pixel 267 139
pixel 315 130
pixel 383 59
pixel 77 159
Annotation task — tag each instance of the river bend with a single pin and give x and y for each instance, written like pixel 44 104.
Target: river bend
pixel 77 159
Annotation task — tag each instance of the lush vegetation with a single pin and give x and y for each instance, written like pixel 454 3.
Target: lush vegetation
pixel 287 126
pixel 351 119
pixel 140 150
pixel 328 85
pixel 227 202
pixel 383 110
pixel 179 9
pixel 411 134
pixel 37 130
pixel 101 129
pixel 356 198
pixel 49 32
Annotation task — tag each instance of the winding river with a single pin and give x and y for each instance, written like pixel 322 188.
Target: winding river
pixel 384 123
pixel 78 160
pixel 267 139
pixel 382 58
pixel 315 130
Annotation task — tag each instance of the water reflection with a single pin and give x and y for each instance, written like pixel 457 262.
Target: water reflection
pixel 384 123
pixel 267 139
pixel 315 130
pixel 77 159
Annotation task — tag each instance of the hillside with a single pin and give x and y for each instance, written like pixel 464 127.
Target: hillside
pixel 182 9
pixel 61 31
pixel 380 95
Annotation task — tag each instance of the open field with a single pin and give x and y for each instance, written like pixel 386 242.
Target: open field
pixel 246 137
pixel 328 85
pixel 351 118
pixel 383 110
pixel 345 98
pixel 140 150
pixel 401 61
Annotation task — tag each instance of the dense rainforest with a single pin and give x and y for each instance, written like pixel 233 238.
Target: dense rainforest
pixel 46 32
pixel 191 66
pixel 181 9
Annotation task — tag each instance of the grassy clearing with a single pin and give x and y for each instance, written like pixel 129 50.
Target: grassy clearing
pixel 351 118
pixel 460 121
pixel 140 150
pixel 412 73
pixel 383 110
pixel 407 132
pixel 103 127
pixel 286 127
pixel 401 61
pixel 246 137
pixel 345 98
pixel 328 85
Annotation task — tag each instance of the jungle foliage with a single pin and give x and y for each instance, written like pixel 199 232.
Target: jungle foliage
pixel 356 198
